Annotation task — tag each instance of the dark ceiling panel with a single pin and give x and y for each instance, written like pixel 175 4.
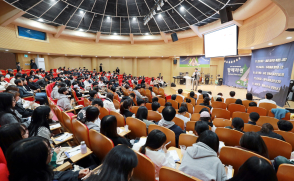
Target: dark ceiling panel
pixel 88 5
pixel 143 9
pixel 152 25
pixel 65 15
pixel 86 21
pixel 40 8
pixel 160 22
pixel 122 8
pixel 54 11
pixel 125 26
pixel 111 8
pixel 96 23
pixel 181 22
pixel 76 18
pixel 132 8
pixel 75 2
pixel 99 6
pixel 106 24
pixel 169 21
pixel 134 25
pixel 115 27
pixel 213 4
pixel 26 4
pixel 186 14
pixel 150 3
pixel 28 16
pixel 144 28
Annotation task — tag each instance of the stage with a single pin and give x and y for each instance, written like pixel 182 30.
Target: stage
pixel 225 90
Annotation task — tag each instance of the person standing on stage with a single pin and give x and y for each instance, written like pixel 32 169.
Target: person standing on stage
pixel 196 76
pixel 100 67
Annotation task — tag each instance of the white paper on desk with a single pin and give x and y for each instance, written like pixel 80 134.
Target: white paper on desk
pixel 139 144
pixel 175 155
pixel 230 172
pixel 73 152
pixel 63 137
pixel 119 130
pixel 79 106
pixel 55 126
pixel 221 144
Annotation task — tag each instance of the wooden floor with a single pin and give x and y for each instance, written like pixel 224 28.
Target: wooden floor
pixel 225 90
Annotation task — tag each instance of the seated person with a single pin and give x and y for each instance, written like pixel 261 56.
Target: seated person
pixel 249 97
pixel 205 116
pixel 201 161
pixel 209 93
pixel 181 114
pixel 285 125
pixel 255 169
pixel 19 106
pixel 155 149
pixel 267 130
pixel 206 102
pixel 252 141
pixel 100 96
pixel 184 104
pixel 219 99
pixel 92 114
pixel 63 101
pixel 131 96
pixel 180 93
pixel 76 88
pixel 168 114
pixel 32 84
pixel 199 93
pixel 167 104
pixel 141 102
pixel 192 94
pixel 232 94
pixel 173 97
pixel 81 116
pixel 252 104
pixel 152 93
pixel 3 83
pixel 237 124
pixel 93 95
pixel 239 101
pixel 200 126
pixel 253 118
pixel 142 115
pixel 109 129
pixel 268 99
pixel 108 103
pixel 155 99
pixel 155 106
pixel 54 93
pixel 125 108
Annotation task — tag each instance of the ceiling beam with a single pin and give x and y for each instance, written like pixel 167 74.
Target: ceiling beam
pixel 10 16
pixel 238 22
pixel 164 37
pixel 97 36
pixel 132 38
pixel 59 31
pixel 196 31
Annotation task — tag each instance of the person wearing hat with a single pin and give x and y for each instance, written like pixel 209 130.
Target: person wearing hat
pixel 76 88
pixel 205 116
pixel 100 67
pixel 181 114
pixel 9 73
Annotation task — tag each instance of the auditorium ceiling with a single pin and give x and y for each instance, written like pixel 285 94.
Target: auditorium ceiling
pixel 123 17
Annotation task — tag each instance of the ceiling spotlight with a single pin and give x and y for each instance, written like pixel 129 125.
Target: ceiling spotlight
pixel 65 54
pixel 115 33
pixel 7 50
pixel 160 16
pixel 48 53
pixel 81 12
pixel 96 56
pixel 270 44
pixel 288 38
pixel 81 30
pixel 108 17
pixel 41 20
pixel 123 57
pixel 29 52
pixel 252 47
pixel 146 33
pixel 158 8
pixel 161 56
pixel 110 56
pixel 182 8
pixel 134 19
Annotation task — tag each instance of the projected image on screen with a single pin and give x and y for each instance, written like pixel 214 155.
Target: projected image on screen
pixel 221 43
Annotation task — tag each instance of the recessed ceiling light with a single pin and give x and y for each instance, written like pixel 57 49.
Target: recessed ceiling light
pixel 288 38
pixel 81 12
pixel 160 16
pixel 81 30
pixel 123 57
pixel 7 50
pixel 134 19
pixel 41 20
pixel 252 47
pixel 161 56
pixel 65 54
pixel 115 33
pixel 108 17
pixel 182 8
pixel 270 43
pixel 149 56
pixel 146 33
pixel 29 52
pixel 48 53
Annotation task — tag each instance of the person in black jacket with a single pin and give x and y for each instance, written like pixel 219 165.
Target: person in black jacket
pixel 35 153
pixel 267 130
pixel 33 85
pixel 125 108
pixel 18 66
pixel 100 67
pixel 117 70
pixel 109 129
pixel 19 106
pixel 33 64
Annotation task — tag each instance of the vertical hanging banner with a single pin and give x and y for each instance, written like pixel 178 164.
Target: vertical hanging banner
pixel 195 61
pixel 270 72
pixel 236 71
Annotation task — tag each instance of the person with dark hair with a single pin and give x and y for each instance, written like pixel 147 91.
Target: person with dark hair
pixel 267 130
pixel 152 93
pixel 33 64
pixel 219 99
pixel 252 104
pixel 252 141
pixel 209 93
pixel 140 102
pixel 192 94
pixel 237 124
pixel 63 100
pixel 54 93
pixel 268 99
pixel 255 169
pixel 125 108
pixel 155 99
pixel 167 104
pixel 93 95
pixel 81 116
pixel 173 97
pixel 19 106
pixel 3 83
pixel 249 97
pixel 109 129
pixel 201 161
pixel 239 101
pixel 110 171
pixel 205 116
pixel 200 126
pixel 180 93
pixel 28 159
pixel 155 149
pixel 155 106
pixel 253 118
pixel 108 102
pixel 189 101
pixel 168 114
pixel 142 115
pixel 11 133
pixel 285 125
pixel 34 86
pixel 92 114
pixel 138 94
pixel 181 115
pixel 232 94
pixel 206 102
pixel 199 93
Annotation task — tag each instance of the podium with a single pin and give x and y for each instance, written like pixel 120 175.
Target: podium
pixel 188 82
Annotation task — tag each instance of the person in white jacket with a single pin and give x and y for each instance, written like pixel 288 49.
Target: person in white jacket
pixel 181 114
pixel 3 83
pixel 155 149
pixel 108 103
pixel 200 160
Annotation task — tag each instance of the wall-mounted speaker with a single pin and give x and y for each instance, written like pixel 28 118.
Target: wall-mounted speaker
pixel 226 15
pixel 175 61
pixel 174 37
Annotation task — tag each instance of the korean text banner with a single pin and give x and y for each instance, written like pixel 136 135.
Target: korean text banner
pixel 195 62
pixel 270 72
pixel 236 71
